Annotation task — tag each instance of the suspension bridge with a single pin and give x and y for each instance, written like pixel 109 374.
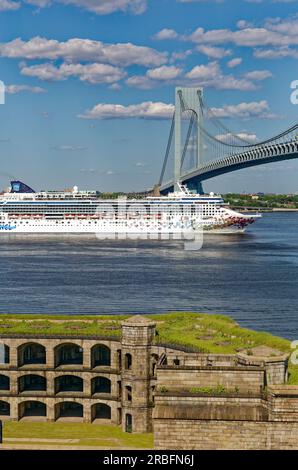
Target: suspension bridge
pixel 201 147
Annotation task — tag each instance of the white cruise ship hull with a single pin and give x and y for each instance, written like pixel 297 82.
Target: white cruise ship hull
pixel 112 229
pixel 180 214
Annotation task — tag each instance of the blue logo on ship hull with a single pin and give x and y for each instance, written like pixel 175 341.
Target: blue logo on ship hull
pixel 7 227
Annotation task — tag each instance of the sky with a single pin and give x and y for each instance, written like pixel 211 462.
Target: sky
pixel 90 86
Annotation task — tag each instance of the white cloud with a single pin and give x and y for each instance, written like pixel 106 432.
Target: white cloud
pixel 39 3
pixel 104 7
pixel 214 52
pixel 258 75
pixel 88 170
pixel 154 77
pixel 166 34
pixel 200 1
pixel 276 53
pixel 275 38
pixel 166 72
pixel 180 55
pixel 275 32
pixel 204 72
pixel 145 110
pixel 100 7
pixel 244 37
pixel 207 75
pixel 91 73
pixel 272 1
pixel 245 110
pixel 211 75
pixel 234 62
pixel 115 86
pixel 69 148
pixel 283 26
pixel 14 89
pixel 8 5
pixel 76 49
pixel 160 110
pixel 251 138
pixel 242 24
pixel 141 81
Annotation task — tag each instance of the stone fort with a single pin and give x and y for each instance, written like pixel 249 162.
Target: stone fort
pixel 189 400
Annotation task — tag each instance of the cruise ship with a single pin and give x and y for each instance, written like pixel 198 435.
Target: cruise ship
pixel 22 210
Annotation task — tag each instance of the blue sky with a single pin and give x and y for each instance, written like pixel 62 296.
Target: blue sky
pixel 90 86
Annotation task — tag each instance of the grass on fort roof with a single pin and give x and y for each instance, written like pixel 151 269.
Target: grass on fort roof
pixel 84 434
pixel 93 325
pixel 206 333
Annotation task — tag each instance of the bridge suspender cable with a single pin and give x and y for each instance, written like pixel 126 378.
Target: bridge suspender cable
pixel 248 145
pixel 167 151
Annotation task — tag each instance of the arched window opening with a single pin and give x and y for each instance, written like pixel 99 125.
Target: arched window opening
pixel 4 382
pixel 101 385
pixel 128 422
pixel 32 353
pixel 128 361
pixel 69 410
pixel 68 354
pixel 128 390
pixel 32 383
pixel 101 411
pixel 100 355
pixel 69 383
pixel 4 408
pixel 4 354
pixel 32 408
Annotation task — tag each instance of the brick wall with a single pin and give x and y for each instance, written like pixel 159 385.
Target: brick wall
pixel 240 435
pixel 246 379
pixel 283 403
pixel 184 421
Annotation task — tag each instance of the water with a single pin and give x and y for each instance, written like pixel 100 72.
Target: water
pixel 251 277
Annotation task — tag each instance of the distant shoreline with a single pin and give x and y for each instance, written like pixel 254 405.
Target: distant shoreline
pixel 260 209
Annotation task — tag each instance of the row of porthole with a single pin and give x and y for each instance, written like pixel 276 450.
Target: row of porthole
pixel 56 222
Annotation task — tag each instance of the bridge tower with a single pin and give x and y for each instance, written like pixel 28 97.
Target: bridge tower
pixel 188 99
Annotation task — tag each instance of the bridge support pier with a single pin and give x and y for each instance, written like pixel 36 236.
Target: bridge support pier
pixel 195 186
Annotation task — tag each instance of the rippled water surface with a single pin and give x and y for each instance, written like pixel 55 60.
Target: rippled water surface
pixel 251 277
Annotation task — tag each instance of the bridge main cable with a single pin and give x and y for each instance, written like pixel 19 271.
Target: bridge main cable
pixel 247 144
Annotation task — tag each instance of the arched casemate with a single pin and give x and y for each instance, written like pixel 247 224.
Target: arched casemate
pixel 32 383
pixel 69 409
pixel 100 356
pixel 31 353
pixel 69 383
pixel 32 408
pixel 68 354
pixel 101 411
